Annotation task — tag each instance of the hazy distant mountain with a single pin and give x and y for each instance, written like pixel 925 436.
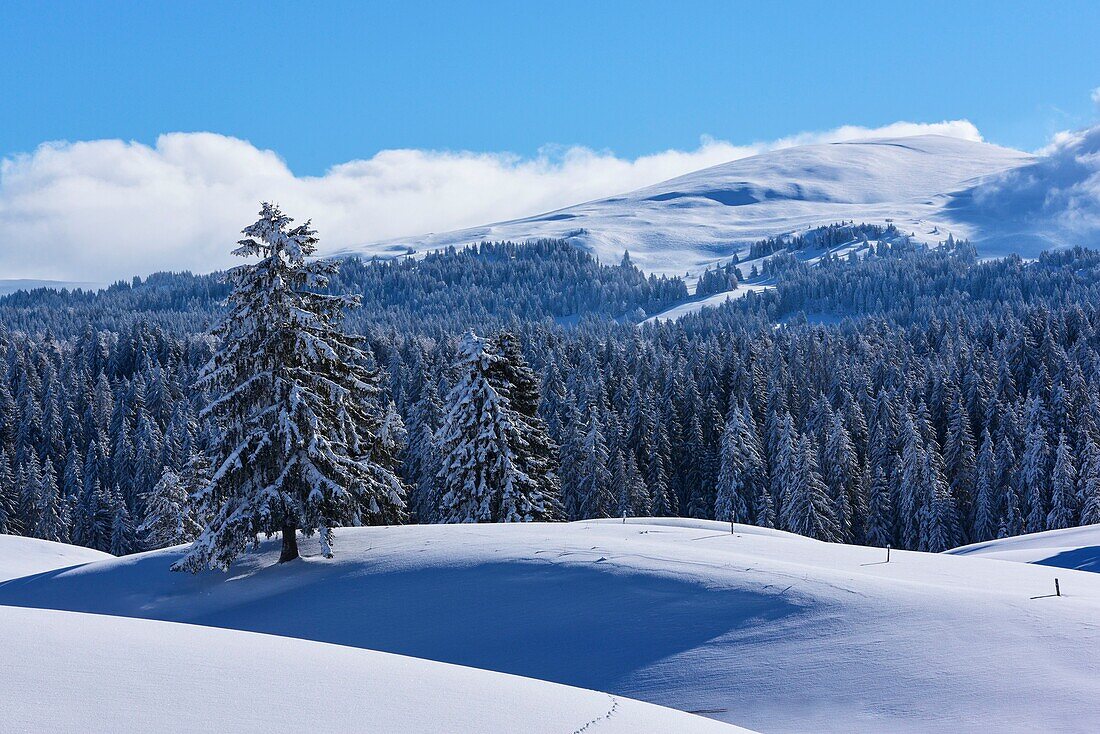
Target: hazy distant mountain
pixel 11 285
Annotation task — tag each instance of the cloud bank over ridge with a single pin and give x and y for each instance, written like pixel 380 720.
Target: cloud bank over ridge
pixel 106 209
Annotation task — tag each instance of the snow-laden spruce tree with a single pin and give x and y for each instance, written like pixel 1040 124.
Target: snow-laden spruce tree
pixel 985 494
pixel 1089 483
pixel 297 404
pixel 879 530
pixel 537 454
pixel 168 517
pixel 598 498
pixel 483 475
pixel 809 507
pixel 741 472
pixel 1063 489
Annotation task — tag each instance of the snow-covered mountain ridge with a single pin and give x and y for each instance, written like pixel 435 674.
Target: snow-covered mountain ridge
pixel 1002 199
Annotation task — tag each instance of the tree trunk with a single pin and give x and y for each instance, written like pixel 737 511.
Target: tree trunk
pixel 290 545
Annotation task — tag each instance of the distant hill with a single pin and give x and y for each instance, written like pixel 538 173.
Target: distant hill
pixel 12 285
pixel 702 217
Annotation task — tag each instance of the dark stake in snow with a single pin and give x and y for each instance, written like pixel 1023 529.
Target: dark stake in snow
pixel 298 405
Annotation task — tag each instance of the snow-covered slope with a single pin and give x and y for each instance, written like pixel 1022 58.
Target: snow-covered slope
pixel 759 628
pixel 21 556
pixel 687 222
pixel 1076 548
pixel 694 305
pixel 70 672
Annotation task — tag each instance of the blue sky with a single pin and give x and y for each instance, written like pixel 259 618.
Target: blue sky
pixel 168 122
pixel 324 83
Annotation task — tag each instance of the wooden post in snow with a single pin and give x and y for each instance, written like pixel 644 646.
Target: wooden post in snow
pixel 887 552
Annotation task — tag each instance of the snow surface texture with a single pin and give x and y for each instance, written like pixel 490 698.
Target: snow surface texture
pixel 1075 548
pixel 21 556
pixel 760 628
pixel 683 224
pixel 92 673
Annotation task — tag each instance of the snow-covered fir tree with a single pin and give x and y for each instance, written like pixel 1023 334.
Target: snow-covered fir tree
pixel 810 509
pixel 740 477
pixel 534 451
pixel 299 408
pixel 123 540
pixel 1063 489
pixel 1089 483
pixel 422 452
pixel 939 525
pixel 627 483
pixel 486 458
pixel 986 510
pixel 840 469
pixel 587 459
pixel 50 524
pixel 169 519
pixel 878 526
pixel 1035 468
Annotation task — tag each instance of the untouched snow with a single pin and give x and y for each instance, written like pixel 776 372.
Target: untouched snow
pixel 1075 548
pixel 706 216
pixel 759 628
pixel 70 672
pixel 21 556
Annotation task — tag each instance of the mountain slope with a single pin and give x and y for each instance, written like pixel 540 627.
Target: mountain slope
pixel 759 628
pixel 687 222
pixel 94 673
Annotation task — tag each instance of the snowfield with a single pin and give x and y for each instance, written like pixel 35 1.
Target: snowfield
pixel 759 628
pixel 688 222
pixel 1074 548
pixel 81 673
pixel 21 556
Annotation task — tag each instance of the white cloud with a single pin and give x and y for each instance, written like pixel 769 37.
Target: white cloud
pixel 1096 96
pixel 1056 197
pixel 108 209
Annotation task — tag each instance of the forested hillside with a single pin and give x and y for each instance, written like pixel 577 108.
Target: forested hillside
pixel 940 400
